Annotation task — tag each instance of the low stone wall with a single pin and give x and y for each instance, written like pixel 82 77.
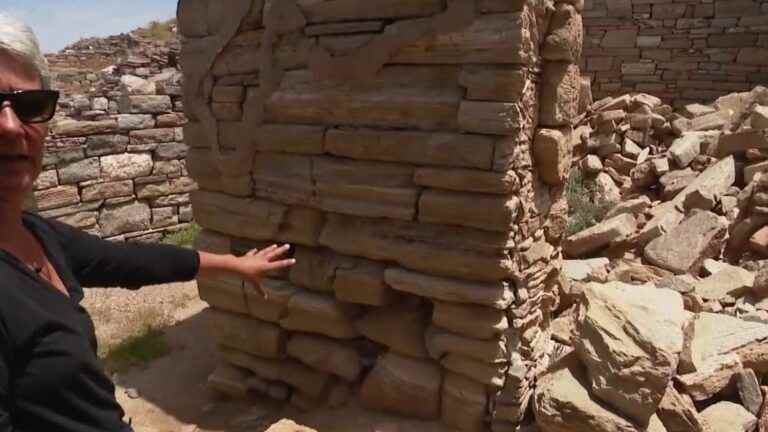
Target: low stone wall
pixel 414 152
pixel 114 164
pixel 682 51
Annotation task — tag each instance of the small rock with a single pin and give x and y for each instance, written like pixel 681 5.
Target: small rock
pixel 600 236
pixel 590 270
pixel 715 375
pixel 732 281
pixel 674 182
pixel 630 149
pixel 591 165
pixel 685 149
pixel 132 393
pixel 758 243
pixel 729 417
pixel 634 207
pixel 685 248
pixel 606 188
pixel 759 118
pixel 749 390
pixel 692 111
pixel 678 413
pixel 684 284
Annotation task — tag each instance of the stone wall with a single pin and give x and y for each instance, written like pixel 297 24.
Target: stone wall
pixel 399 145
pixel 114 163
pixel 682 51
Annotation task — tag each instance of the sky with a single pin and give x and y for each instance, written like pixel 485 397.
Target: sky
pixel 58 23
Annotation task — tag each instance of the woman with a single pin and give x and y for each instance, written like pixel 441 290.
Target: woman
pixel 50 377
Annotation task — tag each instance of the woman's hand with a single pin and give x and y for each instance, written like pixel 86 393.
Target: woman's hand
pixel 252 267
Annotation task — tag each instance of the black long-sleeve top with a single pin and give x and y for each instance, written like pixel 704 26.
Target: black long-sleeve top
pixel 50 376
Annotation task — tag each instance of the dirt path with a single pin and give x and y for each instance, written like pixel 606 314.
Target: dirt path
pixel 170 394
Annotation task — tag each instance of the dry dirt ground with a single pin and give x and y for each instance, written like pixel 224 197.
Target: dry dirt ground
pixel 170 395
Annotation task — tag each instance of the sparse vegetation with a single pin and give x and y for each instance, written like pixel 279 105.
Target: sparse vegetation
pixel 159 30
pixel 185 237
pixel 138 350
pixel 586 209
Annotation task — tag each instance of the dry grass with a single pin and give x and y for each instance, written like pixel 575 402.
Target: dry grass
pixel 158 30
pixel 585 210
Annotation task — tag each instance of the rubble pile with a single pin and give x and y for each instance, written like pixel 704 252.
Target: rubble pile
pixel 663 317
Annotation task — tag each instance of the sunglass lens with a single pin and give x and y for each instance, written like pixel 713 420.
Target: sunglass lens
pixel 35 106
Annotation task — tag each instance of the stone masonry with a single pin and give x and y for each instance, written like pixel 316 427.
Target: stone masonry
pixel 114 163
pixel 414 152
pixel 680 50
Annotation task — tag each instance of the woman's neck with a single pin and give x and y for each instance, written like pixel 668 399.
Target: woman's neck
pixel 11 226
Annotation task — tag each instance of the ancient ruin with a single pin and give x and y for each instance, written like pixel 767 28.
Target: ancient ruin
pixel 414 152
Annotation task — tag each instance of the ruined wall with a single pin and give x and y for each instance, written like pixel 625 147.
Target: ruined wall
pixel 401 146
pixel 682 51
pixel 114 162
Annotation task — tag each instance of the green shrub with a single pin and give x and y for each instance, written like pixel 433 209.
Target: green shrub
pixel 160 31
pixel 185 237
pixel 586 209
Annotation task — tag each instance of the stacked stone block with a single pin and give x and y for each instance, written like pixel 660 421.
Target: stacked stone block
pixel 414 152
pixel 683 51
pixel 114 166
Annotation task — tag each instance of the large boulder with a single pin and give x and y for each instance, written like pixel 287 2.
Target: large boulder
pixel 685 248
pixel 629 338
pixel 563 403
pixel 713 335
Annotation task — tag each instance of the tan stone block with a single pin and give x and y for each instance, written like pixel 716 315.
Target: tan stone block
pixel 57 197
pixel 471 321
pixel 496 295
pixel 442 149
pixel 229 380
pixel 488 212
pixel 311 382
pixel 289 139
pixel 344 10
pixel 497 38
pixel 285 178
pixel 363 284
pixel 246 334
pixel 272 308
pixel 440 343
pixel 465 180
pixel 559 100
pixel 552 154
pixel 325 355
pixel 405 97
pixel 254 219
pixel 566 35
pixel 223 292
pixel 301 226
pixel 320 314
pixel 464 403
pixel 498 118
pixel 315 269
pixel 403 386
pixel 494 83
pixel 399 327
pixel 443 250
pixel 491 375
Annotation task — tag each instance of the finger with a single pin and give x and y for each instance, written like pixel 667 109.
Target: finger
pixel 277 265
pixel 252 252
pixel 267 250
pixel 278 252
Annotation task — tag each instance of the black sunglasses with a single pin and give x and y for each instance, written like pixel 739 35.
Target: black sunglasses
pixel 32 106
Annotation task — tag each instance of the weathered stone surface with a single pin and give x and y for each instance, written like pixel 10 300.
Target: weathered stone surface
pixel 732 281
pixel 498 118
pixel 459 150
pixel 759 117
pixel 230 381
pixel 126 166
pixel 152 136
pixel 326 355
pixel 494 83
pixel 634 207
pixel 600 236
pixel 290 139
pixel 129 122
pixel 466 180
pixel 133 85
pixel 441 343
pixel 560 88
pixel 320 314
pixel 344 10
pixel 749 391
pixel 685 248
pixel 223 292
pixel 685 149
pixel 496 295
pixel 399 327
pixel 245 334
pixel 74 128
pixel 714 375
pixel 299 376
pixel 678 414
pixel 125 218
pixel 440 250
pixel 630 338
pixel 495 38
pixel 471 321
pixel 76 172
pixel 363 284
pixel 728 416
pixel 552 155
pixel 414 98
pixel 489 374
pixel 254 219
pixel 403 386
pixel 590 270
pixel 563 403
pixel 145 104
pixel 566 34
pixel 606 188
pixel 715 335
pixel 100 145
pixel 464 403
pixel 488 212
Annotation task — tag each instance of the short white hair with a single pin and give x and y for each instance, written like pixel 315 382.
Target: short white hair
pixel 18 40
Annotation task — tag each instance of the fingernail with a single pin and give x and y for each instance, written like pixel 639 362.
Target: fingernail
pixel 293 260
